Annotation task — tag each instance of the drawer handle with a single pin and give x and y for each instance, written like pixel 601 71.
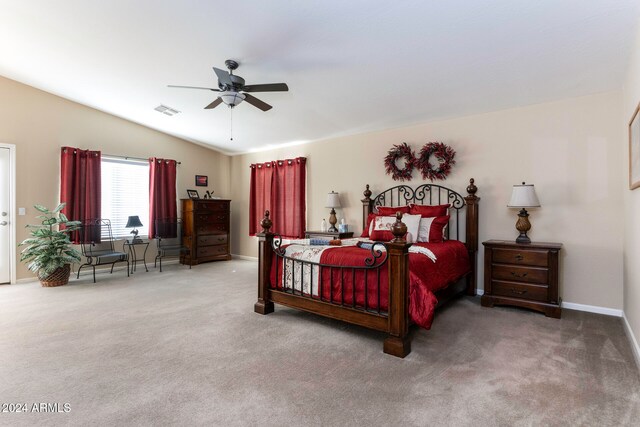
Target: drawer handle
pixel 519 276
pixel 220 239
pixel 519 257
pixel 517 292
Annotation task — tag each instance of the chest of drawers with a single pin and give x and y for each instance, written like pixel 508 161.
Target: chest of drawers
pixel 206 229
pixel 523 275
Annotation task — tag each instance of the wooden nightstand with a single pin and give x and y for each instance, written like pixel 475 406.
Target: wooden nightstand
pixel 523 275
pixel 327 235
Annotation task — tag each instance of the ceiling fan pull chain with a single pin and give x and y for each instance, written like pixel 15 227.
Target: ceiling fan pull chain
pixel 231 131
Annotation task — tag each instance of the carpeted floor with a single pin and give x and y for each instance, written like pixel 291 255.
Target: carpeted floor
pixel 183 347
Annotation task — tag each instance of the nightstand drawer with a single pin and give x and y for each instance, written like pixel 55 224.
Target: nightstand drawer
pixel 520 274
pixel 529 257
pixel 519 290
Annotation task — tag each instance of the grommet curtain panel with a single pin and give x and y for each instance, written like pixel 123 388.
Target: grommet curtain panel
pixel 80 187
pixel 162 193
pixel 280 187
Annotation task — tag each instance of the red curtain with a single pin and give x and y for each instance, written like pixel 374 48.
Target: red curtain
pixel 80 186
pixel 162 192
pixel 279 186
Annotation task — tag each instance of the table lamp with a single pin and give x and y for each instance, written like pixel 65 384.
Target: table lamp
pixel 333 201
pixel 133 222
pixel 523 196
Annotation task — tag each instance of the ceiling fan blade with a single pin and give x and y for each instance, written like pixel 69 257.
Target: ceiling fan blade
pixel 269 87
pixel 256 102
pixel 214 104
pixel 223 76
pixel 195 87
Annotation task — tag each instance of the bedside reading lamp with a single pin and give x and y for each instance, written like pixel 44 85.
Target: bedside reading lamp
pixel 523 196
pixel 133 222
pixel 333 201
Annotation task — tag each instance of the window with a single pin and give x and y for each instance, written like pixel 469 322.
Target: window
pixel 125 192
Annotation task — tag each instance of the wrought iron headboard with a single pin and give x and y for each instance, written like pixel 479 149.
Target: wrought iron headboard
pixel 424 194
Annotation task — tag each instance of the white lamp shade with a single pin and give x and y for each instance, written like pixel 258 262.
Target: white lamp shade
pixel 232 98
pixel 524 196
pixel 333 200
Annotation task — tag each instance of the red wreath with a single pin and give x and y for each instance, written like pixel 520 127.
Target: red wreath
pixel 398 152
pixel 440 151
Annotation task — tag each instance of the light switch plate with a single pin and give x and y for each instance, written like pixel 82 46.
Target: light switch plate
pixel 22 211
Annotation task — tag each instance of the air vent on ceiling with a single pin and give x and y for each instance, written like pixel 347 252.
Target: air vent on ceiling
pixel 166 110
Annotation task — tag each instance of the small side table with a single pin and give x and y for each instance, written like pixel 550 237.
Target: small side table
pixel 130 246
pixel 523 275
pixel 327 235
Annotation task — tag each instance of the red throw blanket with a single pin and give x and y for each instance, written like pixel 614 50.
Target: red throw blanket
pixel 425 277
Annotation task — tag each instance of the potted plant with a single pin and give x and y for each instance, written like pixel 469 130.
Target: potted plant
pixel 48 251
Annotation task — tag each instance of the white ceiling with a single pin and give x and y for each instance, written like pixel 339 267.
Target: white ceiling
pixel 351 66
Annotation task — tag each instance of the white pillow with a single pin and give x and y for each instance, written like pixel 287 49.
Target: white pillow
pixel 425 228
pixel 386 222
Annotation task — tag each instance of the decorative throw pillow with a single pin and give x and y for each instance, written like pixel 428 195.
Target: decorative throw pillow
pixel 391 211
pixel 367 227
pixel 429 210
pixel 432 229
pixel 382 228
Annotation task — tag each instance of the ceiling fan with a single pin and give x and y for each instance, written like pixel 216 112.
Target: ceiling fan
pixel 233 90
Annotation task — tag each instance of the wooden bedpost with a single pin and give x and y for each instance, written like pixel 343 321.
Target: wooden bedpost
pixel 472 235
pixel 366 206
pixel 265 255
pixel 398 343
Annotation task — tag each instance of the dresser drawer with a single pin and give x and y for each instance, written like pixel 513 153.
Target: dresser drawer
pixel 206 251
pixel 520 274
pixel 219 228
pixel 212 207
pixel 520 290
pixel 212 239
pixel 205 218
pixel 529 257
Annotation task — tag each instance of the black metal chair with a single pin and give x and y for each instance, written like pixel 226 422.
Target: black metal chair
pixel 170 241
pixel 96 241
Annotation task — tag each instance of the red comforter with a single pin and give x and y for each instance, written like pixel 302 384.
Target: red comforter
pixel 425 277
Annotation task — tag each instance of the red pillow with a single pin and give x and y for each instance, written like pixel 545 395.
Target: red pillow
pixel 436 234
pixel 429 211
pixel 391 211
pixel 365 232
pixel 382 235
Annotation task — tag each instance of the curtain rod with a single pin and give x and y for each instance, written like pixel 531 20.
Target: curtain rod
pixel 132 158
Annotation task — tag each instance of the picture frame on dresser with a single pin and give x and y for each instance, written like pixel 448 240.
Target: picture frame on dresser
pixel 634 150
pixel 193 194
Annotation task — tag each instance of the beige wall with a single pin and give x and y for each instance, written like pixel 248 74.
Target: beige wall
pixel 631 200
pixel 569 149
pixel 39 123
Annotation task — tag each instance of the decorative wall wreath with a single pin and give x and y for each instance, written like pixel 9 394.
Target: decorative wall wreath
pixel 440 151
pixel 398 152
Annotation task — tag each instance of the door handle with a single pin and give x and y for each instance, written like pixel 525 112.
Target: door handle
pixel 4 223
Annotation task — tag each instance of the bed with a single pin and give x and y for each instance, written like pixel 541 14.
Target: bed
pixel 386 286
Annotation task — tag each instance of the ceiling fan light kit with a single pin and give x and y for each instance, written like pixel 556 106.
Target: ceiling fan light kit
pixel 232 98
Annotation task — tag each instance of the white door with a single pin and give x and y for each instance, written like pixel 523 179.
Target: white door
pixel 5 218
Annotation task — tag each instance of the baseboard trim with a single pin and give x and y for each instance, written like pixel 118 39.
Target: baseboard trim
pixel 244 257
pixel 581 307
pixel 635 348
pixel 592 309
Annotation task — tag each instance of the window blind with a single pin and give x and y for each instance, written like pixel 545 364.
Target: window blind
pixel 125 192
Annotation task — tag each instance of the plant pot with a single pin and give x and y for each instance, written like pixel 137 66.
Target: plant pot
pixel 57 278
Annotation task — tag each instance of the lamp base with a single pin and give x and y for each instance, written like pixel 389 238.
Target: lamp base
pixel 333 220
pixel 523 225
